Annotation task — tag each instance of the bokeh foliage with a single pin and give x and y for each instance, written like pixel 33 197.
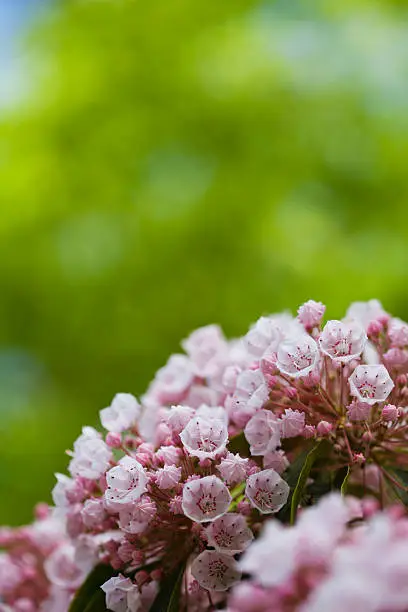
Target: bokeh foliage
pixel 179 163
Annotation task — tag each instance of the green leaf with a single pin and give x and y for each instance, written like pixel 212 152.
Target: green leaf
pixel 90 593
pixel 239 444
pixel 343 488
pixel 303 476
pixel 168 597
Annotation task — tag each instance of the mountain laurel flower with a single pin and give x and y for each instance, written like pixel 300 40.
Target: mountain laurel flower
pixel 169 455
pixel 93 512
pixel 168 476
pixel 205 499
pixel 371 383
pixel 203 438
pixel 126 483
pixel 229 534
pixel 207 349
pixel 266 334
pixel 172 381
pixel 121 595
pixel 398 333
pixel 342 341
pixel 297 356
pixel 366 312
pixel 178 417
pixel 215 571
pixel 390 413
pixel 310 314
pixel 121 414
pixel 61 568
pixel 91 455
pixel 250 394
pixel 263 432
pixel 66 491
pixel 233 468
pixel 292 423
pixel 267 491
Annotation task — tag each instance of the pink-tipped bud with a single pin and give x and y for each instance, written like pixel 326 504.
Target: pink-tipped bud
pixel 205 463
pixel 113 440
pixel 369 506
pixel 367 436
pixel 42 511
pixel 359 458
pixel 309 431
pixel 142 577
pixel 156 574
pixel 389 413
pixel 374 328
pixel 402 380
pixel 244 508
pixel 324 428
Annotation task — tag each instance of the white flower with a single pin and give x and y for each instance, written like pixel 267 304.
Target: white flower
pixel 61 568
pixel 121 414
pixel 342 341
pixel 205 499
pixel 229 534
pixel 122 595
pixel 203 438
pixel 91 455
pixel 215 571
pixel 267 491
pixel 365 312
pixel 126 483
pixel 251 392
pixel 268 332
pixel 297 356
pixel 207 349
pixel 371 383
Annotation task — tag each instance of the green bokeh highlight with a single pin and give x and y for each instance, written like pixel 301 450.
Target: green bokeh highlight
pixel 180 163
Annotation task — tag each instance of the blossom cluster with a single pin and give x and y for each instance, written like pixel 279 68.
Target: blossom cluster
pixel 188 477
pixel 341 555
pixel 38 572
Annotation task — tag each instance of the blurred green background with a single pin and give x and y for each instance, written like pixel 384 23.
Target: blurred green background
pixel 168 164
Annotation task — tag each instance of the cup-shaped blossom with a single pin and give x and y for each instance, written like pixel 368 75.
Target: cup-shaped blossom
pixel 126 483
pixel 297 356
pixel 267 491
pixel 91 455
pixel 371 383
pixel 121 414
pixel 215 571
pixel 262 432
pixel 229 534
pixel 203 438
pixel 205 499
pixel 366 312
pixel 268 332
pixel 342 341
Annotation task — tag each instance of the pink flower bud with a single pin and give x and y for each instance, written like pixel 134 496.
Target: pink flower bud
pixel 367 436
pixel 309 431
pixel 359 458
pixel 42 511
pixel 374 328
pixel 324 428
pixel 369 506
pixel 156 574
pixel 390 413
pixel 113 440
pixel 142 577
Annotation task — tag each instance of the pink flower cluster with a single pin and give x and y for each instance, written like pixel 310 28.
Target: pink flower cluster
pixel 38 569
pixel 190 475
pixel 342 554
